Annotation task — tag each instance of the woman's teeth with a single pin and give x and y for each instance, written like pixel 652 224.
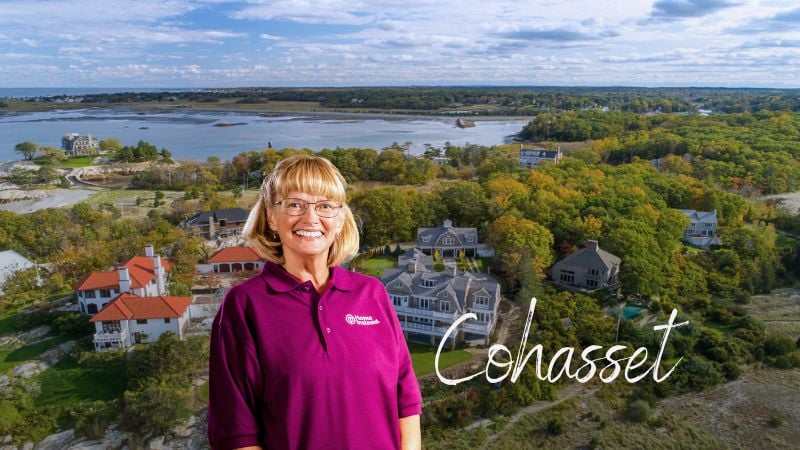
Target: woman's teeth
pixel 314 234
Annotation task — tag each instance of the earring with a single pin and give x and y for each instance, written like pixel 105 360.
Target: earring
pixel 275 236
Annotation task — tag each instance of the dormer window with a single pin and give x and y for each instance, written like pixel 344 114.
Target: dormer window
pixel 426 239
pixel 481 300
pixel 470 238
pixel 429 282
pixel 445 306
pixel 448 240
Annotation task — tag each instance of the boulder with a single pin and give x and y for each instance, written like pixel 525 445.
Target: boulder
pixel 56 441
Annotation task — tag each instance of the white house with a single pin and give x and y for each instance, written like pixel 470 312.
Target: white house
pixel 702 229
pixel 427 303
pixel 144 276
pixel 130 319
pixel 11 262
pixel 532 157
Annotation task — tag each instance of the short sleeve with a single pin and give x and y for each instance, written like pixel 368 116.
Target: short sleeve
pixel 409 398
pixel 233 379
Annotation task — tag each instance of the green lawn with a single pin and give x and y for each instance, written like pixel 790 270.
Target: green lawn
pixel 423 356
pixel 67 382
pixel 374 266
pixel 80 161
pixel 783 241
pixel 9 360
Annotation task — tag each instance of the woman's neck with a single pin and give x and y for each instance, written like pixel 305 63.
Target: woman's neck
pixel 315 270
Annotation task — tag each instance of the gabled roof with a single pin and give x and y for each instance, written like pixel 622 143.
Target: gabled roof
pixel 129 306
pixel 700 216
pixel 141 271
pixel 433 234
pixel 235 254
pixel 538 152
pixel 228 214
pixel 591 256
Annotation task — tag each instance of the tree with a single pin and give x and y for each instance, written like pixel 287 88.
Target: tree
pixel 516 240
pixel 158 200
pixel 111 144
pixel 27 149
pixel 52 155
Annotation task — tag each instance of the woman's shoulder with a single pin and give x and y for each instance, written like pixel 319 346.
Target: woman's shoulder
pixel 355 280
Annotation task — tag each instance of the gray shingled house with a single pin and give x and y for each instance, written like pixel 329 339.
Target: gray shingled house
pixel 449 240
pixel 590 268
pixel 702 229
pixel 217 223
pixel 428 302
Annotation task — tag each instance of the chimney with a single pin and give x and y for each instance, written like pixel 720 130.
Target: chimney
pixel 161 277
pixel 591 245
pixel 124 280
pixel 148 250
pixel 211 231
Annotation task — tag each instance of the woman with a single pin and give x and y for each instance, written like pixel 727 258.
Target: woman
pixel 307 354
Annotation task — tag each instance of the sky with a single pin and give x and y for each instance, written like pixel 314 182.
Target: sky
pixel 221 43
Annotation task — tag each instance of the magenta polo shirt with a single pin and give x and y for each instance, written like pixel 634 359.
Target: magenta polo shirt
pixel 291 368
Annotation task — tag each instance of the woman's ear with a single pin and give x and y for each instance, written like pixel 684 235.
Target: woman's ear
pixel 271 221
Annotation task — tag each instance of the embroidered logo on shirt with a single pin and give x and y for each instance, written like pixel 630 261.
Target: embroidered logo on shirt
pixel 354 319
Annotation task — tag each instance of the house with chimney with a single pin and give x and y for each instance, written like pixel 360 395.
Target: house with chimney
pixel 131 319
pixel 74 144
pixel 448 240
pixel 589 268
pixel 220 223
pixel 702 229
pixel 534 156
pixel 144 276
pixel 427 302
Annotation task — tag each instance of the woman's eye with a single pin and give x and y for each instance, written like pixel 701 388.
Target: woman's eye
pixel 294 205
pixel 326 206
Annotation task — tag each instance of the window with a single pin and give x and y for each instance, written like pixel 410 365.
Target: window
pixel 594 272
pixel 141 321
pixel 448 240
pixel 591 283
pixel 111 327
pixel 709 225
pixel 470 238
pixel 166 320
pixel 88 294
pixel 424 303
pixel 567 277
pixel 445 306
pixel 482 316
pixel 105 293
pixel 429 282
pixel 426 239
pixel 482 300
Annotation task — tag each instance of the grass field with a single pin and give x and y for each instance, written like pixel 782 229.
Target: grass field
pixel 13 358
pixel 66 382
pixel 779 311
pixel 423 356
pixel 374 266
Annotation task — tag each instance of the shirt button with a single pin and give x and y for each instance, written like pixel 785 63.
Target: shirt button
pixel 306 289
pixel 328 330
pixel 321 308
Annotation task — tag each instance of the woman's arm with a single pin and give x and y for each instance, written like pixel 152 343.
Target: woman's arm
pixel 410 434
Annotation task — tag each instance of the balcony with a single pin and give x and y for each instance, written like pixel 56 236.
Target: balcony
pixel 477 328
pixel 451 316
pixel 115 336
pixel 426 329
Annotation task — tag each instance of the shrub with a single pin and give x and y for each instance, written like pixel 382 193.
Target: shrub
pixel 731 370
pixel 158 405
pixel 778 345
pixel 638 411
pixel 775 420
pixel 92 418
pixel 555 426
pixel 73 324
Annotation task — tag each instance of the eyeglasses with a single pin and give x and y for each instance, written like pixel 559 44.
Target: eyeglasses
pixel 297 207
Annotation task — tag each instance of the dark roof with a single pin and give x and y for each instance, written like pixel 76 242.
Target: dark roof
pixel 229 214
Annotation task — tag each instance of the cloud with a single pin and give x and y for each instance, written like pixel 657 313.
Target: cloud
pixel 332 12
pixel 270 37
pixel 681 9
pixel 787 20
pixel 772 43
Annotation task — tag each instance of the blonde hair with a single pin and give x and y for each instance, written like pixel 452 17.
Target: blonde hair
pixel 313 175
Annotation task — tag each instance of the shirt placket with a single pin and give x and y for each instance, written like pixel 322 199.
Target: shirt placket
pixel 323 321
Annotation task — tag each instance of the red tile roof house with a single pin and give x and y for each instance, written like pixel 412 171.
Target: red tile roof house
pixel 130 319
pixel 145 276
pixel 232 259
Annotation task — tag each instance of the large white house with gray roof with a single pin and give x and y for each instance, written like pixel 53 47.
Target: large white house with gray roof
pixel 427 302
pixel 702 229
pixel 448 240
pixel 588 268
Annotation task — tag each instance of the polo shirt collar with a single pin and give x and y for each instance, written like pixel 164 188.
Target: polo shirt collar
pixel 282 281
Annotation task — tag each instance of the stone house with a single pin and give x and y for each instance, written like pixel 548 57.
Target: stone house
pixel 75 145
pixel 217 223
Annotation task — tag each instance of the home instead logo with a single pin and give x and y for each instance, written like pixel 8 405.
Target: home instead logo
pixel 562 361
pixel 354 319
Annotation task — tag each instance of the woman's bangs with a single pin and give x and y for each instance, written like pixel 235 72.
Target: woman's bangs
pixel 311 178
